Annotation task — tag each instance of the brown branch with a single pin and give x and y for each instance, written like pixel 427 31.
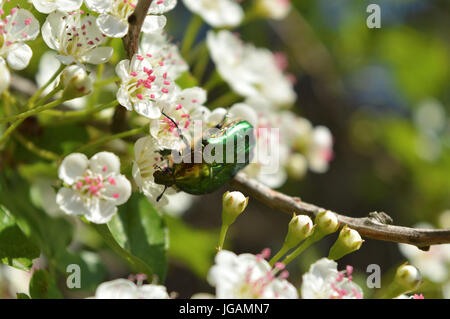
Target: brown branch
pixel 375 226
pixel 131 40
pixel 131 44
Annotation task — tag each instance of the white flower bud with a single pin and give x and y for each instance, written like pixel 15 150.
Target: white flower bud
pixel 408 277
pixel 76 82
pixel 326 222
pixel 300 227
pixel 233 204
pixel 297 165
pixel 348 241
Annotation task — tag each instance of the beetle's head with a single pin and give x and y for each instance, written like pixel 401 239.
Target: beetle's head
pixel 164 177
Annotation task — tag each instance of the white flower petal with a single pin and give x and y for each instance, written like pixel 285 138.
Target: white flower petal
pixel 99 6
pixel 19 56
pixel 117 289
pixel 70 202
pixel 5 76
pixel 112 26
pixel 73 166
pixel 153 23
pixel 119 190
pixel 98 55
pixel 105 163
pixel 100 211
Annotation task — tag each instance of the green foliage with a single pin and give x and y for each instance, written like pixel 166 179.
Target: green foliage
pixel 138 235
pixel 16 249
pixel 193 247
pixel 43 286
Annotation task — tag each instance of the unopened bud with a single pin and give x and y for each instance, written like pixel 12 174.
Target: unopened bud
pixel 297 166
pixel 348 241
pixel 300 227
pixel 408 277
pixel 326 222
pixel 76 82
pixel 233 204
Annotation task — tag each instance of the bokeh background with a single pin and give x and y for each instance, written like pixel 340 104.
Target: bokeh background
pixel 385 95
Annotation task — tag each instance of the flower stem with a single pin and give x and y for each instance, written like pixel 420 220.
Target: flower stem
pixel 82 113
pixel 38 93
pixel 105 139
pixel 308 242
pixel 278 255
pixel 48 96
pixel 18 119
pixel 202 63
pixel 36 110
pixel 223 234
pixel 35 149
pixel 191 33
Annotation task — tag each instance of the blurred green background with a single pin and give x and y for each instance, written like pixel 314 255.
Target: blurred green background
pixel 385 95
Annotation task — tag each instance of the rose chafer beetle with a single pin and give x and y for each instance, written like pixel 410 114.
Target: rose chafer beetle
pixel 205 165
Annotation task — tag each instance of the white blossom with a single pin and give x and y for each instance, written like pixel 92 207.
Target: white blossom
pixel 114 14
pixel 145 83
pixel 324 281
pixel 146 160
pixel 92 187
pixel 158 42
pixel 47 6
pixel 217 13
pixel 250 71
pixel 76 38
pixel 247 276
pixel 126 289
pixel 15 29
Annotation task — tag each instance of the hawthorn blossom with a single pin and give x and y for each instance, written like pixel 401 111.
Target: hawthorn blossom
pixel 145 82
pixel 15 29
pixel 250 71
pixel 146 160
pixel 114 14
pixel 158 42
pixel 126 289
pixel 76 38
pixel 92 187
pixel 434 263
pixel 247 276
pixel 217 13
pixel 5 76
pixel 324 281
pixel 181 113
pixel 274 9
pixel 47 6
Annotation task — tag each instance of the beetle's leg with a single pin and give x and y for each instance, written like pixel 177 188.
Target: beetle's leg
pixel 222 123
pixel 161 195
pixel 185 141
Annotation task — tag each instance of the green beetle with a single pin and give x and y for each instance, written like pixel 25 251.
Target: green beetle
pixel 207 176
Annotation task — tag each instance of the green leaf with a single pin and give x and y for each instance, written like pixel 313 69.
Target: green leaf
pixel 193 247
pixel 22 296
pixel 43 286
pixel 138 234
pixel 16 249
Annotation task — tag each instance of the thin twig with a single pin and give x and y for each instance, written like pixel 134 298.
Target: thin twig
pixel 375 226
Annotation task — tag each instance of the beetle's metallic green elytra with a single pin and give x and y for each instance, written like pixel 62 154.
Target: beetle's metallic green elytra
pixel 204 178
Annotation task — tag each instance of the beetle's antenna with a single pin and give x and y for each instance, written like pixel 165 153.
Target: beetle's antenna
pixel 161 195
pixel 178 128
